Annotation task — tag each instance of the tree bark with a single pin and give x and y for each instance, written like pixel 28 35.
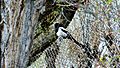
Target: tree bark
pixel 19 20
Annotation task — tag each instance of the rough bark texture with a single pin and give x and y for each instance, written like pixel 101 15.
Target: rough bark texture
pixel 20 18
pixel 27 36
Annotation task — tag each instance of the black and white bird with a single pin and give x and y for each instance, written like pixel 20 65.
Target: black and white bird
pixel 61 31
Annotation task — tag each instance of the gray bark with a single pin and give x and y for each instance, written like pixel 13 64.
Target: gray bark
pixel 26 35
pixel 19 19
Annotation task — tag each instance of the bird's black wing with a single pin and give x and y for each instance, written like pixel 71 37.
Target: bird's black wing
pixel 64 31
pixel 69 36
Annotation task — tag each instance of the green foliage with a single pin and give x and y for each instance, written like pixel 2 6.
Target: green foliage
pixel 111 60
pixel 117 19
pixel 102 59
pixel 58 1
pixel 108 1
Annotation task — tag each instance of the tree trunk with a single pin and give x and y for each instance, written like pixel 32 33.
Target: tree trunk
pixel 19 19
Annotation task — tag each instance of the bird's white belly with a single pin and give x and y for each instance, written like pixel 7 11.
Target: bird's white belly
pixel 61 33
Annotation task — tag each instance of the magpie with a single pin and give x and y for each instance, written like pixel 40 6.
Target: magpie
pixel 61 31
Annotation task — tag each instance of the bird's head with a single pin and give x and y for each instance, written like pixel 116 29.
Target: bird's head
pixel 57 25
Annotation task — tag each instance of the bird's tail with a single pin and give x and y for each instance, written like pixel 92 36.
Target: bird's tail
pixel 85 47
pixel 69 36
